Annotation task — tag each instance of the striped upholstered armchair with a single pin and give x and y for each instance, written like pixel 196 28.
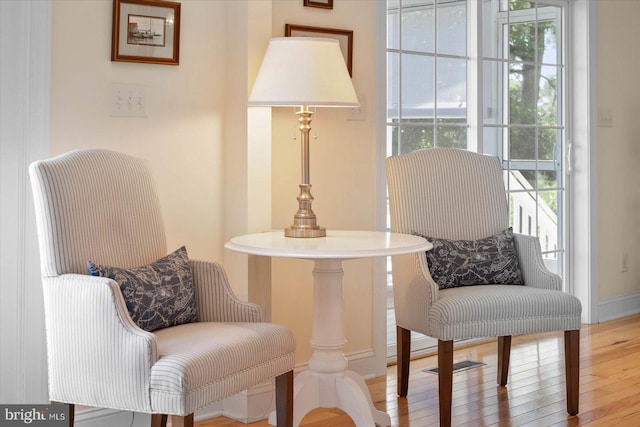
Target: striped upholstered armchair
pixel 101 206
pixel 457 200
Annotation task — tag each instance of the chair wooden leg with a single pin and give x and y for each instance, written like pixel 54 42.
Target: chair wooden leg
pixel 445 380
pixel 572 369
pixel 178 421
pixel 504 352
pixel 159 420
pixel 72 409
pixel 284 400
pixel 403 340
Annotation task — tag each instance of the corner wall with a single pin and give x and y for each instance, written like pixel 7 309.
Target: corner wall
pixel 618 159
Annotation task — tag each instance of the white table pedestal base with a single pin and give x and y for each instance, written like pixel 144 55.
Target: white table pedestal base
pixel 327 383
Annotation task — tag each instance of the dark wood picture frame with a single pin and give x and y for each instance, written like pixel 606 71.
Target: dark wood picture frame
pixel 344 37
pixel 322 4
pixel 146 31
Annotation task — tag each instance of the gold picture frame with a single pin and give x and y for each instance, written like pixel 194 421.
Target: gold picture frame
pixel 344 37
pixel 146 31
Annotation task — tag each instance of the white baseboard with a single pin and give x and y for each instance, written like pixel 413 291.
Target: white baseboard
pixel 363 363
pixel 247 406
pixel 251 405
pixel 617 307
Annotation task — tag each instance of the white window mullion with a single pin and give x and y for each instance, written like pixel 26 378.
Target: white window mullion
pixel 474 76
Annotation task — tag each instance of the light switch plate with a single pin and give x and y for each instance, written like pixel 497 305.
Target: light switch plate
pixel 128 100
pixel 605 117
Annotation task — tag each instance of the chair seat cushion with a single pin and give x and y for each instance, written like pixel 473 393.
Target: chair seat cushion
pixel 496 310
pixel 200 363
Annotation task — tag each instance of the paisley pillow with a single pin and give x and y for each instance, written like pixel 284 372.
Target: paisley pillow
pixel 157 295
pixel 489 261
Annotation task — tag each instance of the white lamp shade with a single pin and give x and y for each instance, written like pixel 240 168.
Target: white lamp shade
pixel 300 71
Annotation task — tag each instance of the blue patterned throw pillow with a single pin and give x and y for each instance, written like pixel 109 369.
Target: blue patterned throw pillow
pixel 489 261
pixel 157 295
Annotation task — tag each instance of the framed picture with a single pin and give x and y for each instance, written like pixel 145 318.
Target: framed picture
pixel 323 4
pixel 146 31
pixel 345 37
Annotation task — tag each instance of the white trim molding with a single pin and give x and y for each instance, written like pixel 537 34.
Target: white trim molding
pixel 617 307
pixel 25 88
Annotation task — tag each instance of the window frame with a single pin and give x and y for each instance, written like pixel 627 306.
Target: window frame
pixel 475 120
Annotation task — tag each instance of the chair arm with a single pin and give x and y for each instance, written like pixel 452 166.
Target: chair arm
pixel 91 335
pixel 414 291
pixel 534 272
pixel 216 300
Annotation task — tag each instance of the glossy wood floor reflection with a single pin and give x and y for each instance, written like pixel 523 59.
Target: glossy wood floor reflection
pixel 534 396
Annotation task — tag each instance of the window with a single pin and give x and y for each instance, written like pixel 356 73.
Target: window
pixel 500 93
pixel 522 115
pixel 427 64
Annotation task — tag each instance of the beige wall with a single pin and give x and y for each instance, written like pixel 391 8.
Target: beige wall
pixel 618 148
pixel 183 134
pixel 197 140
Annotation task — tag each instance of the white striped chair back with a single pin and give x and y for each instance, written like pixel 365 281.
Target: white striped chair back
pixel 99 205
pixel 447 193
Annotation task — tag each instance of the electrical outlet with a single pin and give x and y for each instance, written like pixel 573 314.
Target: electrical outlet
pixel 128 100
pixel 624 263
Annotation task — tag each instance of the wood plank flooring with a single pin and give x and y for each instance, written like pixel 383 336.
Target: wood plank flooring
pixel 534 396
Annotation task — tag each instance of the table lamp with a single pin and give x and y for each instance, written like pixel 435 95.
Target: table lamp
pixel 303 72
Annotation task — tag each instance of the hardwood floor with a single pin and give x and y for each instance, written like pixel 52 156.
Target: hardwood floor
pixel 534 395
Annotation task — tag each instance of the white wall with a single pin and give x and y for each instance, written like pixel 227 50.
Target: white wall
pixel 619 150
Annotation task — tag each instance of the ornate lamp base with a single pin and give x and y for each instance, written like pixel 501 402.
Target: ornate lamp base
pixel 304 221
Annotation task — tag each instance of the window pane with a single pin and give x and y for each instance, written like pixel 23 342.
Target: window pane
pixel 522 41
pixel 393 86
pixel 549 32
pixel 521 179
pixel 418 25
pixel 548 99
pixel 492 108
pixel 522 93
pixel 549 159
pixel 452 28
pixel 393 24
pixel 452 88
pixel 455 137
pixel 548 220
pixel 522 144
pixel 520 5
pixel 492 141
pixel 417 86
pixel 548 179
pixel 491 46
pixel 549 143
pixel 415 138
pixel 522 209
